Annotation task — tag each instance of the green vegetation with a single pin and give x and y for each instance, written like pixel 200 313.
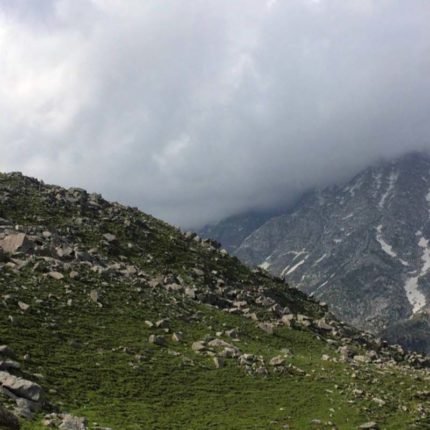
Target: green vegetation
pixel 94 359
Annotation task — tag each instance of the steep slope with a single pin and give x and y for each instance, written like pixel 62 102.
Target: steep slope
pixel 121 318
pixel 363 247
pixel 232 231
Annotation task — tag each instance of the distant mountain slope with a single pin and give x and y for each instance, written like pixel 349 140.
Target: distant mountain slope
pixel 232 231
pixel 363 247
pixel 111 314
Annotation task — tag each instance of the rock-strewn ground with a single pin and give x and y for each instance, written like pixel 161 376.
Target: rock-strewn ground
pixel 113 315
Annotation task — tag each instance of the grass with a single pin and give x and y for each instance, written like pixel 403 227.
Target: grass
pixel 97 361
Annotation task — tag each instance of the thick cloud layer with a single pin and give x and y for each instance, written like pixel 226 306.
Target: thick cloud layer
pixel 197 109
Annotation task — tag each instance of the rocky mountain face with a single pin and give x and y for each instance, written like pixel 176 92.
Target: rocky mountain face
pixel 111 319
pixel 362 247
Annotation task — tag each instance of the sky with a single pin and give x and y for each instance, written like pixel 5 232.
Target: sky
pixel 194 110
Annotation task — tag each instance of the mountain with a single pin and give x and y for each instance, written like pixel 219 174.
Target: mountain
pixel 112 319
pixel 362 247
pixel 232 231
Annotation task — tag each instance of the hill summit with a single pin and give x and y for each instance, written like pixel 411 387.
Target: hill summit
pixel 112 319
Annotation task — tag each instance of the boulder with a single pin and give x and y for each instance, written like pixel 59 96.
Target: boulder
pixel 219 343
pixel 21 387
pixel 23 306
pixel 15 242
pixel 94 296
pixel 233 333
pixel 157 340
pixel 287 320
pixel 177 337
pixel 345 353
pixel 323 325
pixel 230 352
pixel 266 327
pixel 198 346
pixel 109 237
pixel 279 360
pixel 218 362
pixel 361 359
pixel 71 422
pixel 371 425
pixel 163 323
pixel 56 275
pixel 303 320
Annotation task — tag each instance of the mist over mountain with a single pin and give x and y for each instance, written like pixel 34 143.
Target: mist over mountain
pixel 197 111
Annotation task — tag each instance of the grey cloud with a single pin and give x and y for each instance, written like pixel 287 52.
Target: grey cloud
pixel 194 110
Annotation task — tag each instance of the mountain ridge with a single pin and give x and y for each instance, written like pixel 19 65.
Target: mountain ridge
pixel 361 246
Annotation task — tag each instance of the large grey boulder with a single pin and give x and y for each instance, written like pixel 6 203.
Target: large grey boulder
pixel 15 242
pixel 21 387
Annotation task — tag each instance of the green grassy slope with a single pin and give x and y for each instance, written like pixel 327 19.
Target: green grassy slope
pixel 94 358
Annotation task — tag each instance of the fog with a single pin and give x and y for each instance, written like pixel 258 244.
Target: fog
pixel 196 110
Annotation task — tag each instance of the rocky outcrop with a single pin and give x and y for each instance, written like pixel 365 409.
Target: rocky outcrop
pixel 28 396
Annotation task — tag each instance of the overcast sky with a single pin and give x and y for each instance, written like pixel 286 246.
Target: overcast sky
pixel 194 110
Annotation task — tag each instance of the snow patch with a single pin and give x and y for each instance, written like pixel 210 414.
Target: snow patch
pixel 384 245
pixel 320 259
pixel 348 216
pixel 297 253
pixel 287 270
pixel 392 179
pixel 428 200
pixel 424 244
pixel 352 189
pixel 321 286
pixel 265 265
pixel 415 297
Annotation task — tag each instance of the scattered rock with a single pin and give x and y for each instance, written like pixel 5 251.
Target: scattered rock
pixel 177 337
pixel 378 401
pixel 71 422
pixel 21 387
pixel 219 362
pixel 157 340
pixel 371 425
pixel 15 242
pixel 266 327
pixel 109 237
pixel 95 296
pixel 23 306
pixel 56 275
pixel 199 346
pixel 279 360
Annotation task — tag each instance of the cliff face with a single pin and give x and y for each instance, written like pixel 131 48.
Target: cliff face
pixel 362 247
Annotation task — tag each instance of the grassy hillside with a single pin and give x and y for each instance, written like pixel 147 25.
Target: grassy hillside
pixel 131 323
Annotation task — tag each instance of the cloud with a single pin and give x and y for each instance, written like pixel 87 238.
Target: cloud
pixel 195 110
